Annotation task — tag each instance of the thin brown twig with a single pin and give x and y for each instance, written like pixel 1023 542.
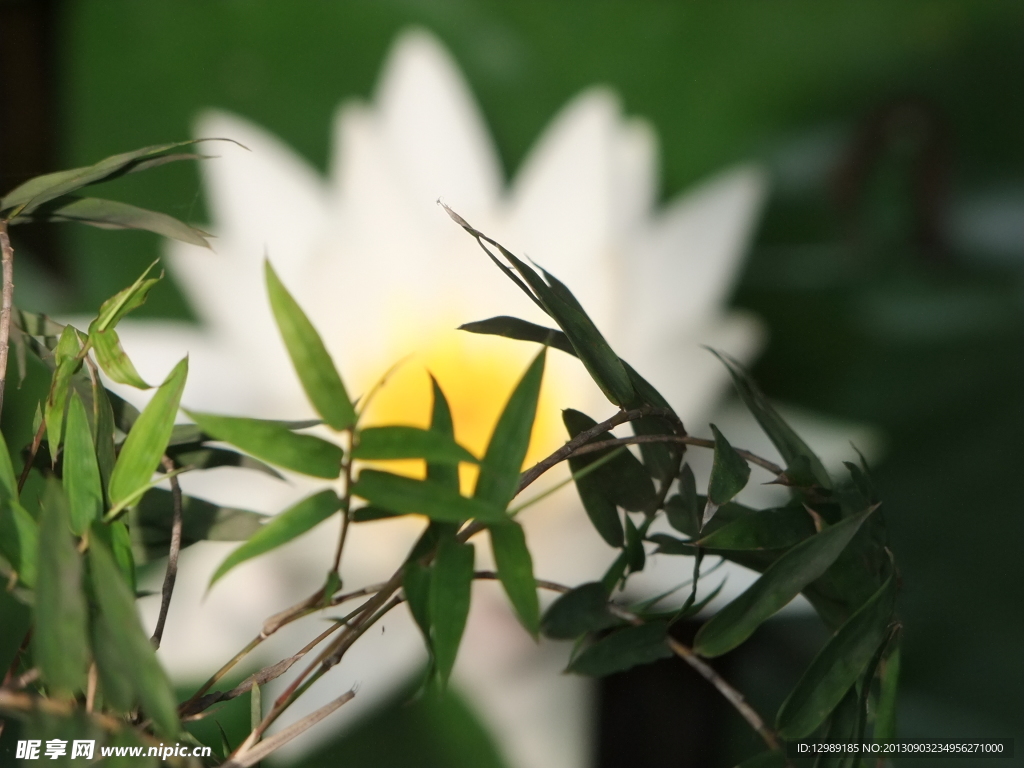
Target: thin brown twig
pixel 6 304
pixel 172 555
pixel 37 440
pixel 753 458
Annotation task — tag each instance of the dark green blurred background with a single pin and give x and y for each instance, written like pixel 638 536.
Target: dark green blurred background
pixel 888 266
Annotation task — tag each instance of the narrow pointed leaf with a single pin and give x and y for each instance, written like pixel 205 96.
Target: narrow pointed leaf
pixel 506 451
pixel 521 330
pixel 123 302
pixel 128 656
pixel 209 458
pixel 729 475
pixel 112 359
pixel 763 529
pixel 582 610
pixel 147 441
pixel 8 482
pixel 441 424
pixel 450 587
pixel 399 442
pixel 837 666
pixel 781 582
pixel 515 569
pixel 416 586
pixel 788 442
pixel 282 528
pixel 624 479
pixel 312 362
pixel 81 470
pixel 623 649
pixel 111 214
pixel 636 556
pixel 19 540
pixel 684 509
pixel 274 443
pixel 60 639
pixel 423 497
pixel 103 420
pixel 67 362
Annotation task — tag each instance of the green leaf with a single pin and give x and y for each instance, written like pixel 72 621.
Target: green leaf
pixel 19 540
pixel 123 302
pixel 273 442
pixel 103 420
pixel 597 498
pixel 763 529
pixel 282 528
pixel 506 451
pixel 67 362
pixel 207 458
pixel 636 557
pixel 788 443
pixel 521 330
pixel 398 442
pixel 416 586
pixel 441 424
pixel 515 569
pixel 113 360
pixel 60 639
pixel 729 475
pixel 624 479
pixel 81 470
pixel 111 214
pixel 8 481
pixel 781 582
pixel 615 573
pixel 423 497
pixel 145 445
pixel 885 711
pixel 369 513
pixel 124 655
pixel 684 509
pixel 312 362
pixel 623 649
pixel 581 610
pixel 837 666
pixel 450 587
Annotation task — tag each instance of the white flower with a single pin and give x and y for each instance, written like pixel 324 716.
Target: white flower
pixel 382 272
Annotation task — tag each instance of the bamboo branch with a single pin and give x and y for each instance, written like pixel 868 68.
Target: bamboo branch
pixel 6 303
pixel 172 556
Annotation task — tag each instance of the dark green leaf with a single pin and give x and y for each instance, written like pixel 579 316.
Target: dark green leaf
pixel 124 655
pixel 145 445
pixel 103 414
pixel 450 586
pixel 416 586
pixel 19 540
pixel 111 214
pixel 885 712
pixel 583 609
pixel 398 442
pixel 441 424
pixel 788 443
pixel 729 475
pixel 515 569
pixel 60 638
pixel 506 451
pixel 208 458
pixel 781 582
pixel 81 470
pixel 423 497
pixel 615 573
pixel 273 442
pixel 622 650
pixel 684 509
pixel 370 513
pixel 635 554
pixel 8 481
pixel 837 666
pixel 312 362
pixel 521 330
pixel 113 360
pixel 763 529
pixel 67 362
pixel 282 528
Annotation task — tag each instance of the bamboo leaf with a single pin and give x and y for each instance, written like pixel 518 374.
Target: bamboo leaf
pixel 19 540
pixel 684 509
pixel 81 470
pixel 423 497
pixel 515 569
pixel 123 302
pixel 781 582
pixel 729 475
pixel 273 442
pixel 763 529
pixel 885 712
pixel 623 649
pixel 583 609
pixel 147 441
pixel 113 360
pixel 282 528
pixel 124 655
pixel 111 214
pixel 66 360
pixel 450 587
pixel 400 442
pixel 8 481
pixel 312 362
pixel 441 424
pixel 837 666
pixel 506 451
pixel 60 640
pixel 416 586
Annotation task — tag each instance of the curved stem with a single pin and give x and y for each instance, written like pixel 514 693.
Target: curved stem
pixel 6 303
pixel 172 555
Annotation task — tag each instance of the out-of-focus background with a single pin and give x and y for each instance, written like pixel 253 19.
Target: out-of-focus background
pixel 888 266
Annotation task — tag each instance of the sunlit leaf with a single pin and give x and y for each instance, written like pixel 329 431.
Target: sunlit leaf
pixel 112 359
pixel 623 649
pixel 123 302
pixel 515 569
pixel 273 442
pixel 60 638
pixel 81 470
pixel 729 475
pixel 400 442
pixel 837 666
pixel 451 582
pixel 781 582
pixel 282 528
pixel 312 362
pixel 112 214
pixel 147 441
pixel 581 610
pixel 506 451
pixel 424 497
pixel 67 362
pixel 124 654
pixel 763 529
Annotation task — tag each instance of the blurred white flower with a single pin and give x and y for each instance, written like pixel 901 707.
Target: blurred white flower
pixel 383 272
